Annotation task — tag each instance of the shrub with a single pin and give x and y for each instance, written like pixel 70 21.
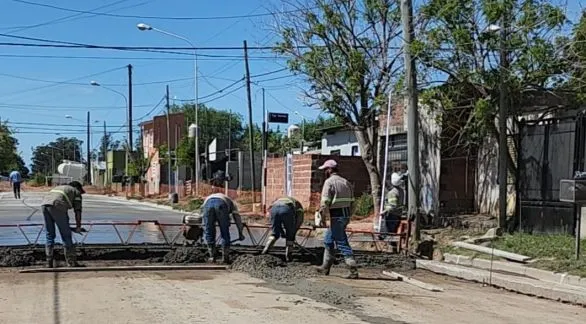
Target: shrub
pixel 194 204
pixel 363 205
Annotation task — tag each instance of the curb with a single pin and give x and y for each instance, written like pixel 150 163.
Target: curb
pixel 528 286
pixel 555 277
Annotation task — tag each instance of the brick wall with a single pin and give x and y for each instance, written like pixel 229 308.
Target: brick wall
pixel 308 179
pixel 398 115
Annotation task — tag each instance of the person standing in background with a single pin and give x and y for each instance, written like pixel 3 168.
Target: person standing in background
pixel 15 180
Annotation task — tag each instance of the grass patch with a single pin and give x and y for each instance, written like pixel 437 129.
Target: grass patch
pixel 363 205
pixel 553 252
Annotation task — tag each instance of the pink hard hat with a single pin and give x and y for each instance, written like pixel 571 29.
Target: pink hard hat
pixel 329 164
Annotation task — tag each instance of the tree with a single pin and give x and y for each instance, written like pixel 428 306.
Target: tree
pixel 575 52
pixel 139 163
pixel 108 143
pixel 10 159
pixel 46 157
pixel 213 123
pixel 343 48
pixel 456 48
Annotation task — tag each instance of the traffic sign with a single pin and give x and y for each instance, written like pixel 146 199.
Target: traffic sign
pixel 279 118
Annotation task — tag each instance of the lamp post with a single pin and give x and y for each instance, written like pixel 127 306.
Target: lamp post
pixel 89 165
pixel 502 123
pixel 145 27
pixel 194 133
pixel 128 145
pixel 302 130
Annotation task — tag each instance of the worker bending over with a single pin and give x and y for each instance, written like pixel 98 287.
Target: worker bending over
pixel 217 209
pixel 55 206
pixel 286 218
pixel 394 203
pixel 336 199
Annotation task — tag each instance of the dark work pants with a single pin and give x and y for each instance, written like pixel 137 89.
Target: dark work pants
pixel 283 222
pixel 336 233
pixel 57 217
pixel 16 189
pixel 215 211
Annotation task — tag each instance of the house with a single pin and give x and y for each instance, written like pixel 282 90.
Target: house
pixel 154 137
pixel 339 140
pixel 115 166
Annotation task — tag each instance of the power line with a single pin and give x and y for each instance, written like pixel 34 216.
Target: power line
pixel 65 81
pixel 150 111
pixel 151 17
pixel 214 58
pixel 74 16
pixel 223 95
pixel 59 125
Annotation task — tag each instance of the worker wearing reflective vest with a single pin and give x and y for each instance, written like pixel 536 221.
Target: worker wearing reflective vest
pixel 286 218
pixel 55 206
pixel 217 209
pixel 394 203
pixel 337 198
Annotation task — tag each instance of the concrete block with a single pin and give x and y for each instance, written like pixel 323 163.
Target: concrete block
pixel 544 289
pixel 516 268
pixel 496 252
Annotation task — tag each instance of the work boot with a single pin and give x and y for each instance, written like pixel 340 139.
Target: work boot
pixel 70 258
pixel 288 251
pixel 50 256
pixel 212 253
pixel 328 262
pixel 225 254
pixel 353 267
pixel 270 243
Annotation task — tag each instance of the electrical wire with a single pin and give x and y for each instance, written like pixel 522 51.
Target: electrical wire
pixel 150 111
pixel 64 82
pixel 9 122
pixel 151 17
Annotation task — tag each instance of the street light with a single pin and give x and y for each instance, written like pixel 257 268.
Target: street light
pixel 145 27
pixel 502 125
pixel 302 129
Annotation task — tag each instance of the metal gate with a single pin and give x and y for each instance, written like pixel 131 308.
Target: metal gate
pixel 548 151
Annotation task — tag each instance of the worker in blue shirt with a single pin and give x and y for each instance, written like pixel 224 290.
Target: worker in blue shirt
pixel 15 180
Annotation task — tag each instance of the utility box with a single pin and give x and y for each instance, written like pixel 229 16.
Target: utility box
pixel 573 191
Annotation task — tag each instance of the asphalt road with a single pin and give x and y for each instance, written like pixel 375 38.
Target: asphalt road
pixel 96 209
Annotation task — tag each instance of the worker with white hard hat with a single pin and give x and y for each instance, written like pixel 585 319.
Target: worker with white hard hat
pixel 337 198
pixel 394 203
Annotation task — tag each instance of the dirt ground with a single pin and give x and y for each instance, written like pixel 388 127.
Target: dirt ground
pixel 233 297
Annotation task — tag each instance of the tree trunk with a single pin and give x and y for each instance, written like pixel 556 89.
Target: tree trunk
pixel 367 148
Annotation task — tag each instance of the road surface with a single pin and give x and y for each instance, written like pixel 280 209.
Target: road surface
pixel 228 297
pixel 95 208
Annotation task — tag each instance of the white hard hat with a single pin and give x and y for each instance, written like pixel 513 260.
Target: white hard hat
pixel 396 179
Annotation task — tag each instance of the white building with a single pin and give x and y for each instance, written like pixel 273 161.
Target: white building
pixel 339 141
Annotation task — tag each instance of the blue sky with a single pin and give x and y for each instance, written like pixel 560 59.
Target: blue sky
pixel 29 101
pixel 24 98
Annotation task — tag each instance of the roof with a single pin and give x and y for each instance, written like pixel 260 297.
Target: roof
pixel 334 129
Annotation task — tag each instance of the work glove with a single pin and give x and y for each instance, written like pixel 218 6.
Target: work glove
pixel 319 220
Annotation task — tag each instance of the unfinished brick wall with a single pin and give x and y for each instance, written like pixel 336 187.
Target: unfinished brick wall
pixel 308 179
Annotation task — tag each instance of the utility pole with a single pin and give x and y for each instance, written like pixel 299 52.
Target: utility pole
pixel 251 128
pixel 503 147
pixel 105 148
pixel 168 144
pixel 89 162
pixel 265 148
pixel 412 116
pixel 129 151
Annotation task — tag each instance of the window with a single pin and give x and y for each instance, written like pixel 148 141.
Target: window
pixel 355 150
pixel 335 152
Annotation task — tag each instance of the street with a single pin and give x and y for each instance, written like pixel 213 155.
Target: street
pixel 95 208
pixel 201 296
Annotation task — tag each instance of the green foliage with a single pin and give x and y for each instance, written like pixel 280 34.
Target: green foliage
pixel 194 204
pixel 363 205
pixel 343 49
pixel 46 157
pixel 557 252
pixel 9 157
pixel 454 45
pixel 38 180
